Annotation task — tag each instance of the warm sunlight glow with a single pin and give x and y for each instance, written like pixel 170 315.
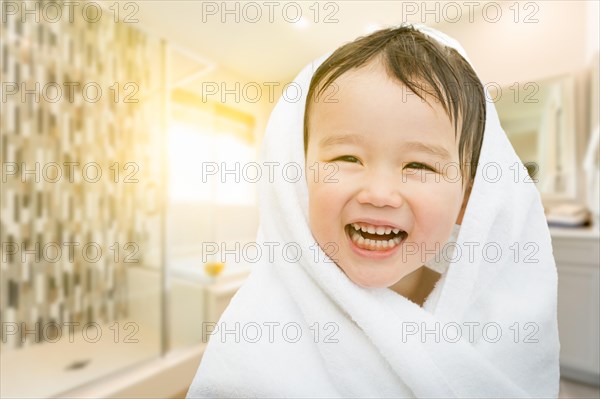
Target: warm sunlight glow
pixel 208 167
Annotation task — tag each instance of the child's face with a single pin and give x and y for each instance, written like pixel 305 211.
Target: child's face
pixel 376 177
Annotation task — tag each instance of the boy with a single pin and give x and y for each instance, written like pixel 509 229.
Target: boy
pixel 335 317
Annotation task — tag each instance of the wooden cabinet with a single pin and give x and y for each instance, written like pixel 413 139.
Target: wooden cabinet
pixel 577 255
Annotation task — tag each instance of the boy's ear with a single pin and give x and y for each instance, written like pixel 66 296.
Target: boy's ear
pixel 464 204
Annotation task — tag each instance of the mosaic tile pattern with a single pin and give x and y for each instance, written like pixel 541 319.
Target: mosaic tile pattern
pixel 43 278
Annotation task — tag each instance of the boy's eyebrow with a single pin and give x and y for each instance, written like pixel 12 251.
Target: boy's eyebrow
pixel 340 139
pixel 432 149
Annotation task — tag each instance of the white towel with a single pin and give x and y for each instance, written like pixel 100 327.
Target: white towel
pixel 321 335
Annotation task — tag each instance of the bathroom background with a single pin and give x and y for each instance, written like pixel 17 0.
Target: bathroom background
pixel 128 199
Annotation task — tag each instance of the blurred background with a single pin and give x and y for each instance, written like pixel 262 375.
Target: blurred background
pixel 127 134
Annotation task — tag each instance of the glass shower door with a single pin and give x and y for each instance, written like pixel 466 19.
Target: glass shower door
pixel 82 157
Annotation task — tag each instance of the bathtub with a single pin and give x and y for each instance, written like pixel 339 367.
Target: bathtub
pixel 137 370
pixel 165 377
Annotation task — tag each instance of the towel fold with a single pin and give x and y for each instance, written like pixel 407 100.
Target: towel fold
pixel 299 327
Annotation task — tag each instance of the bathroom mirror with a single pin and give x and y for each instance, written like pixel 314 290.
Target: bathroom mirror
pixel 539 120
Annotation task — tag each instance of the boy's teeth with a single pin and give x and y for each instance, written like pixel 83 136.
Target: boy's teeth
pixel 375 230
pixel 374 245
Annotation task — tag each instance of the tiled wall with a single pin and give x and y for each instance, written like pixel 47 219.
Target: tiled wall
pixel 56 213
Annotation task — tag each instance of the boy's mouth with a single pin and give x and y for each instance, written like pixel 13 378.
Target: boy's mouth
pixel 375 238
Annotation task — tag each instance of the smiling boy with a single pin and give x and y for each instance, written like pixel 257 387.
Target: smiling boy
pixel 406 110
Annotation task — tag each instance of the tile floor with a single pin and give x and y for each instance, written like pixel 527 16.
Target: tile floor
pixel 571 390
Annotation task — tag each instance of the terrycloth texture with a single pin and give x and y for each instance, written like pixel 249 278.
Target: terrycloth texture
pixel 366 345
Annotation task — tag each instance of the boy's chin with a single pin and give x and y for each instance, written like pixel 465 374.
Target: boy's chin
pixel 374 282
pixel 384 280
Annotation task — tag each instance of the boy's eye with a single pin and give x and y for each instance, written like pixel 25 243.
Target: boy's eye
pixel 347 158
pixel 418 165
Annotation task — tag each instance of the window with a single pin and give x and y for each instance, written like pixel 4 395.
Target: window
pixel 210 148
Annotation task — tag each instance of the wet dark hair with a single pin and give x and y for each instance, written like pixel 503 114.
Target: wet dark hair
pixel 424 66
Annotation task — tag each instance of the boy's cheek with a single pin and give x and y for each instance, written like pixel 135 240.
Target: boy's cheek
pixel 433 204
pixel 322 202
pixel 321 185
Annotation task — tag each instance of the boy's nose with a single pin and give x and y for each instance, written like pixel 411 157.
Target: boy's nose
pixel 380 192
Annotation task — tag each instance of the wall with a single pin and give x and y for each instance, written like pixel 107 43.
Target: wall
pixel 507 51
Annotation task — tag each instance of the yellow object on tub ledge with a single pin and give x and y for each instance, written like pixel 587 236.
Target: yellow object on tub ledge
pixel 213 269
